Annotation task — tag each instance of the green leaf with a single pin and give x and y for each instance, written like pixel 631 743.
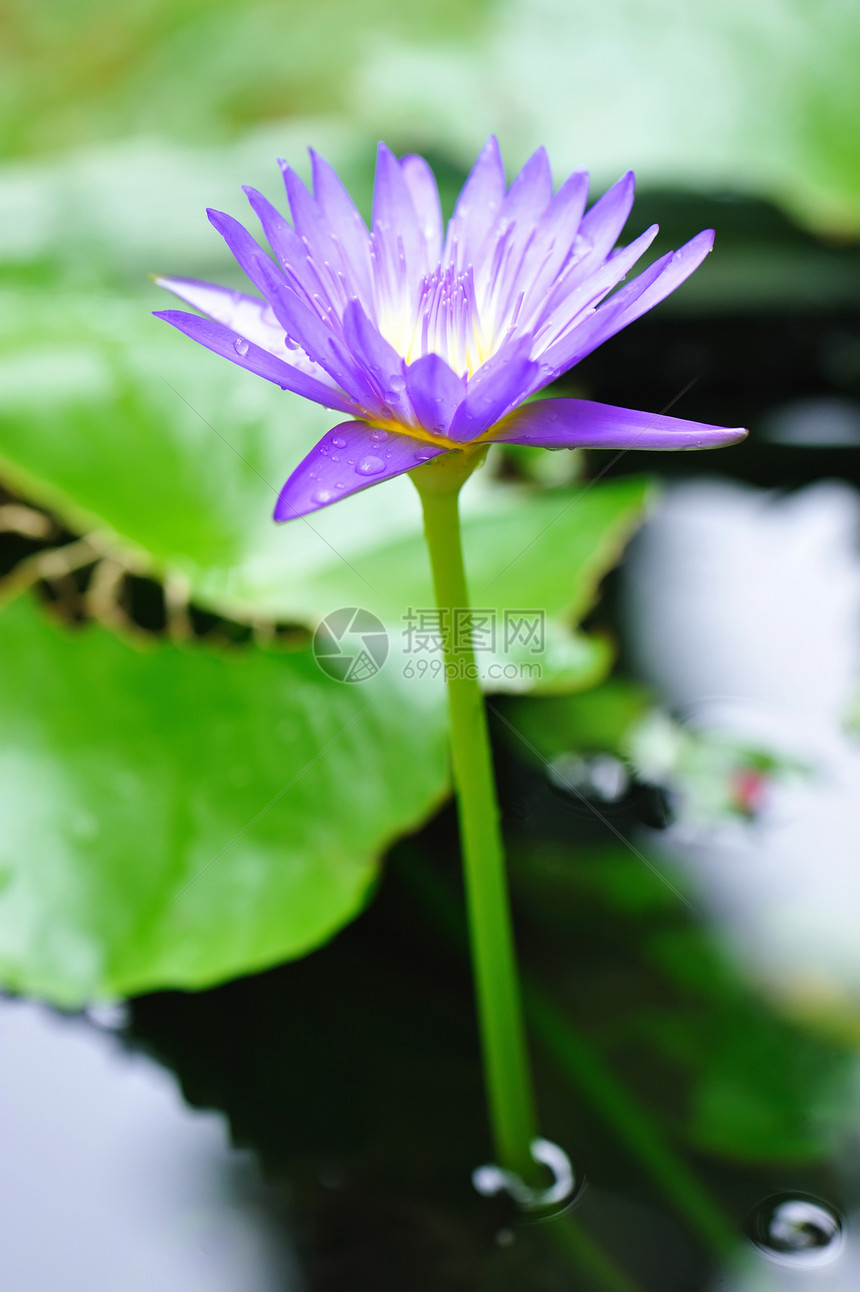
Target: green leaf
pixel 174 457
pixel 733 97
pixel 176 816
pixel 192 70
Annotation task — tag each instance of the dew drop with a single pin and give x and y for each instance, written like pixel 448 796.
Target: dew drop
pixel 322 496
pixel 379 437
pixel 338 442
pixel 335 457
pixel 793 1229
pixel 240 345
pixel 425 455
pixel 370 466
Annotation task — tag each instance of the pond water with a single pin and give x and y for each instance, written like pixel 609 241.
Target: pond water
pixel 687 909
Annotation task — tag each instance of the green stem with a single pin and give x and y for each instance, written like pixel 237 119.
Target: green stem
pixel 575 1056
pixel 506 1065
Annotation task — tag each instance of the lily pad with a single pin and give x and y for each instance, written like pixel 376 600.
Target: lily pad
pixel 173 458
pixel 177 816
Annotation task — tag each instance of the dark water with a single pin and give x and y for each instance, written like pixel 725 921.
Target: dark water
pixel 689 930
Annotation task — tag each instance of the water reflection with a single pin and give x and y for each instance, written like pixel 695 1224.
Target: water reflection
pixel 743 609
pixel 107 1180
pixel 798 1232
pixel 802 1247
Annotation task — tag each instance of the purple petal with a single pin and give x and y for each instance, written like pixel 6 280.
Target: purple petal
pixel 477 208
pixel 286 244
pixel 650 287
pixel 436 392
pixel 500 259
pixel 259 267
pixel 348 229
pixel 395 220
pixel 580 423
pixel 531 192
pixel 320 248
pixel 300 321
pixel 250 316
pixel 681 264
pixel 421 183
pixel 553 242
pixel 378 361
pixel 498 386
pixel 231 345
pixel 577 293
pixel 349 457
pixel 602 225
pixel 321 341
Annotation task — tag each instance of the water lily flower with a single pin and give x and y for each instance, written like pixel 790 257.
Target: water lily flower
pixel 431 340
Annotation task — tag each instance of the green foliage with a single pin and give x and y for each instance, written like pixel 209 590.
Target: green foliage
pixel 731 97
pixel 667 1010
pixel 175 457
pixel 596 720
pixel 171 459
pixel 180 815
pixel 197 69
pixel 757 99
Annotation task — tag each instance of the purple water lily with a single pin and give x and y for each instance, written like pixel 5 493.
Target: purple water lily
pixel 431 340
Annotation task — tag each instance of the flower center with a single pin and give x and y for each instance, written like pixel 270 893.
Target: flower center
pixel 443 320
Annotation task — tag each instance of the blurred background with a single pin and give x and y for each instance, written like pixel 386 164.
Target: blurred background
pixel 682 812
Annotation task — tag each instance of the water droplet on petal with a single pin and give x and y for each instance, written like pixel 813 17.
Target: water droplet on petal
pixel 322 496
pixel 338 442
pixel 379 437
pixel 335 457
pixel 240 345
pixel 425 455
pixel 370 466
pixel 793 1229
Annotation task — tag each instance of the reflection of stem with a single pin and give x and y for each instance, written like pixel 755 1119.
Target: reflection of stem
pixel 586 1069
pixel 506 1066
pixel 571 1239
pixel 596 1080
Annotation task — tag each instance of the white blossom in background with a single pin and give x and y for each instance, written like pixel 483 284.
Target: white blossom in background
pixel 743 610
